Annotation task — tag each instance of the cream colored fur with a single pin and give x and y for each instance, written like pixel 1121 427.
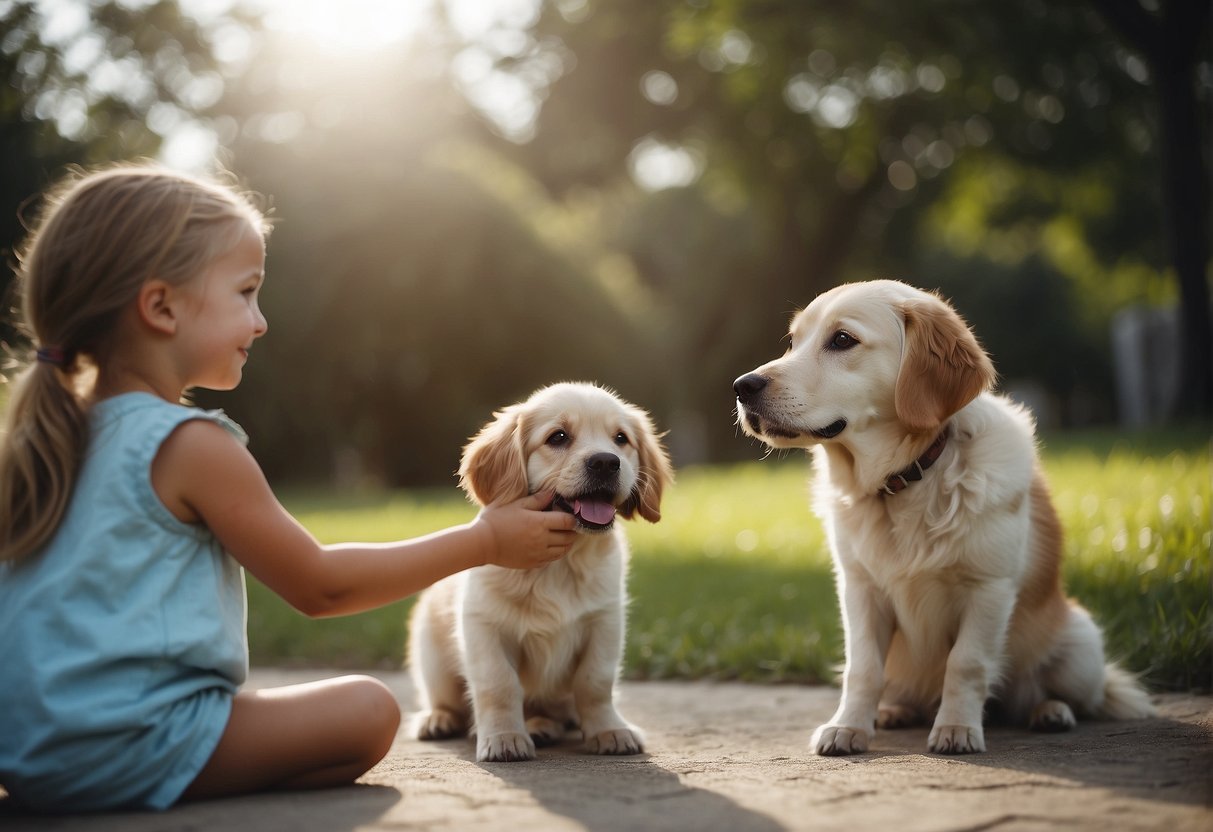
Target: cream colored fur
pixel 950 589
pixel 519 656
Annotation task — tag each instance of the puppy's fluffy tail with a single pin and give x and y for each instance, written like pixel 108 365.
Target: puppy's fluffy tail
pixel 1124 696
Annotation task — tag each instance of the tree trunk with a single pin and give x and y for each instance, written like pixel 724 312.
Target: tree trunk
pixel 1170 43
pixel 1186 191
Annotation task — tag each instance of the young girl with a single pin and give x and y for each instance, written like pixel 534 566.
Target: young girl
pixel 127 518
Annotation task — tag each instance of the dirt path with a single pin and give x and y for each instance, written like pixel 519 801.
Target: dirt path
pixel 734 757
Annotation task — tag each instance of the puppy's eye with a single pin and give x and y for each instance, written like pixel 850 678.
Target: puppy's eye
pixel 558 439
pixel 842 340
pixel 621 438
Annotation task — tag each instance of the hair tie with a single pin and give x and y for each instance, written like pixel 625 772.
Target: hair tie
pixel 52 355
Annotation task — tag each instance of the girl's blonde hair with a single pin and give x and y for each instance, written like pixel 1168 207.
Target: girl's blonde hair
pixel 99 236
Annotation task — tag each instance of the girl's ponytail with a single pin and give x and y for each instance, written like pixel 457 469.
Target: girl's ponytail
pixel 46 434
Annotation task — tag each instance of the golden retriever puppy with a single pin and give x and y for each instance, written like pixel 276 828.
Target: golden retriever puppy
pixel 519 656
pixel 945 542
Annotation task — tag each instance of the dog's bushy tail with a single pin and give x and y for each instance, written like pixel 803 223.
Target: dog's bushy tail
pixel 1124 696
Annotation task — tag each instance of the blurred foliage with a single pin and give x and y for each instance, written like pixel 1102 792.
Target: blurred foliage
pixel 1015 140
pixel 803 107
pixel 433 261
pixel 407 301
pixel 88 83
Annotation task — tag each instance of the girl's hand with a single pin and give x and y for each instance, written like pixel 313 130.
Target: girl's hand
pixel 522 534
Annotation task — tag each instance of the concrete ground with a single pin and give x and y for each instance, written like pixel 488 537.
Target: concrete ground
pixel 734 757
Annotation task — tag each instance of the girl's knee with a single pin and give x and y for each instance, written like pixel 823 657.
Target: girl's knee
pixel 377 709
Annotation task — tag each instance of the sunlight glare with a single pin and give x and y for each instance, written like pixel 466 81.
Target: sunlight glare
pixel 655 165
pixel 349 24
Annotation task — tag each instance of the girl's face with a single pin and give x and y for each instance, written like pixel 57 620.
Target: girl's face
pixel 223 318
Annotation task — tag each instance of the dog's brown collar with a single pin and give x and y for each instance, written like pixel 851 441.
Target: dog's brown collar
pixel 902 479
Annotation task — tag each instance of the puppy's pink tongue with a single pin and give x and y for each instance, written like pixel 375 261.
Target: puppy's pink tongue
pixel 594 511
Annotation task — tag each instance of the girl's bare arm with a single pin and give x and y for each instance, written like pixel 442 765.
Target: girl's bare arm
pixel 203 475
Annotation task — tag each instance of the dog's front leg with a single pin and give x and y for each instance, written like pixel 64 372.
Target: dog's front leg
pixel 867 629
pixel 497 695
pixel 973 664
pixel 604 729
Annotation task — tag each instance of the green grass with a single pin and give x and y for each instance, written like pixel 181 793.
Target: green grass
pixel 278 635
pixel 1138 554
pixel 735 582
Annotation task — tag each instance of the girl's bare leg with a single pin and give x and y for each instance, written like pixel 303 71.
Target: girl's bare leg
pixel 300 737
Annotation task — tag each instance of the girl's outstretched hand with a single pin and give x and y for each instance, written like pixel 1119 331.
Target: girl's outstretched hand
pixel 523 534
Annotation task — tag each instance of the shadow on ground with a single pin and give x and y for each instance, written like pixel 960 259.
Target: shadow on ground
pixel 634 793
pixel 332 810
pixel 727 757
pixel 1095 755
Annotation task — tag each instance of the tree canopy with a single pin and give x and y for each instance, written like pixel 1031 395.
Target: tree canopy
pixel 669 181
pixel 873 137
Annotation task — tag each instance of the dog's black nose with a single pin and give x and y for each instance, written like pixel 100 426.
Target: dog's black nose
pixel 749 386
pixel 603 463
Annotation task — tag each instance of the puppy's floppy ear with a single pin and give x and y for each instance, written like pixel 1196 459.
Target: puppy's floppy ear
pixel 493 468
pixel 655 473
pixel 943 368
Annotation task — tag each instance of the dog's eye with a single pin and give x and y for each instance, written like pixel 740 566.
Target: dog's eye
pixel 621 438
pixel 558 438
pixel 842 340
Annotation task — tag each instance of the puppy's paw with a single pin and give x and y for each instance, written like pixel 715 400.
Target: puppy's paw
pixel 1052 715
pixel 839 740
pixel 619 741
pixel 956 739
pixel 440 724
pixel 504 748
pixel 544 731
pixel 892 717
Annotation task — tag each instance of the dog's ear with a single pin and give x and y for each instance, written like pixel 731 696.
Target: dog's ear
pixel 493 468
pixel 655 473
pixel 943 368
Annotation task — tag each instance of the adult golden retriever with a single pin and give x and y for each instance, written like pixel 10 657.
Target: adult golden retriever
pixel 945 542
pixel 529 653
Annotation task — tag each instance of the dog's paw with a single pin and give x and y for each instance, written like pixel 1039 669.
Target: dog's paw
pixel 839 740
pixel 618 741
pixel 892 717
pixel 440 724
pixel 505 748
pixel 544 731
pixel 1053 716
pixel 956 739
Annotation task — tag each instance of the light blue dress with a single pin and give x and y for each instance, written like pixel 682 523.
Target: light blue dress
pixel 123 641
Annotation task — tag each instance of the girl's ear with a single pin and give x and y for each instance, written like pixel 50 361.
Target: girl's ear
pixel 943 368
pixel 156 307
pixel 655 474
pixel 493 468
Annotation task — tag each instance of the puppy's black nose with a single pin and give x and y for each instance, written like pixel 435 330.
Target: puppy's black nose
pixel 603 463
pixel 749 386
